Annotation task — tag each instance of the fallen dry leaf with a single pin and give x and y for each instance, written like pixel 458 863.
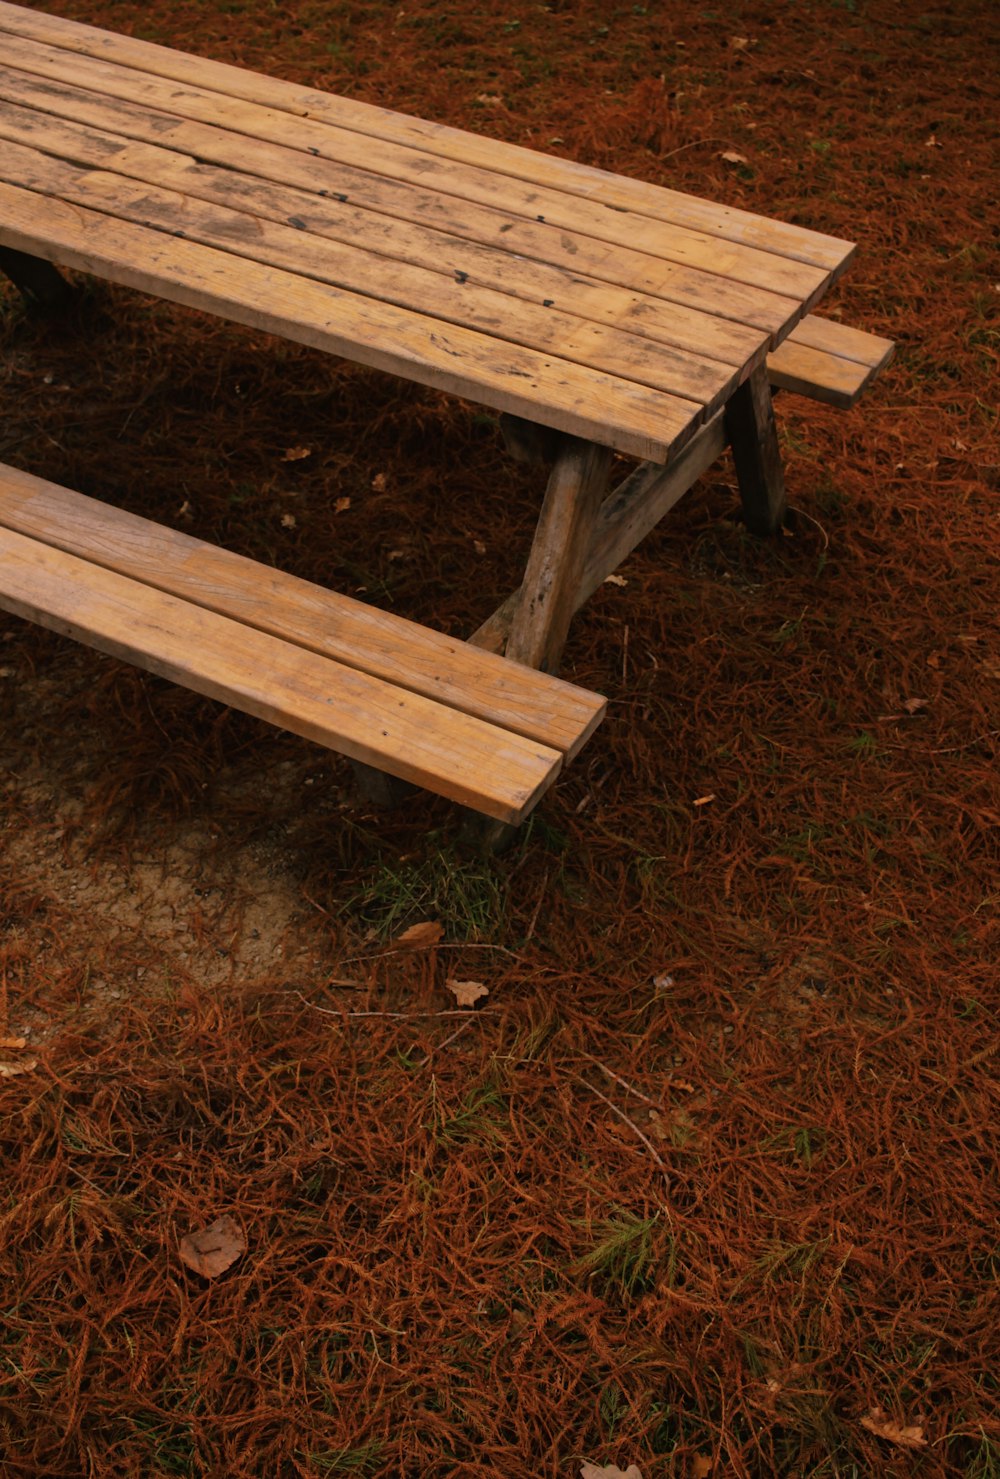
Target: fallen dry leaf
pixel 288 521
pixel 731 157
pixel 467 993
pixel 913 705
pixel 739 43
pixel 615 580
pixel 703 800
pixel 378 482
pixel 420 936
pixel 11 1070
pixel 214 1249
pixel 882 1426
pixel 295 454
pixel 13 1042
pixel 609 1471
pixel 341 505
pixel 701 1466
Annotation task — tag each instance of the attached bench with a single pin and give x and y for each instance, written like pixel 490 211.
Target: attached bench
pixel 828 361
pixel 483 730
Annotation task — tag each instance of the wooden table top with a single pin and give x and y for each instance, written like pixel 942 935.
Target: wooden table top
pixel 615 310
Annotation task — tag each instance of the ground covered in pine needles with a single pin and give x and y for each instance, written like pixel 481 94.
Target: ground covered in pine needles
pixel 707 1182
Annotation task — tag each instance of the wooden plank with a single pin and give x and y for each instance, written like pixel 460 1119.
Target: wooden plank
pixel 843 340
pixel 628 417
pixel 611 190
pixel 753 436
pixel 569 213
pixel 344 188
pixel 445 670
pixel 351 712
pixel 478 264
pixel 541 621
pixel 817 374
pixel 447 298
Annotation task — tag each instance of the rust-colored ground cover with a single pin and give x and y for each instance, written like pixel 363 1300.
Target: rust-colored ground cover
pixel 708 1181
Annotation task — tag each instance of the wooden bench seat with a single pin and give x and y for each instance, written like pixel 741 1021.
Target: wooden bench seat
pixel 478 728
pixel 828 361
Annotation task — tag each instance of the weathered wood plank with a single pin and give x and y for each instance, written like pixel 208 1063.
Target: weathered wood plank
pixel 312 696
pixel 574 214
pixel 448 298
pixel 844 341
pixel 599 186
pixel 628 417
pixel 753 436
pixel 327 213
pixel 345 185
pixel 817 374
pixel 403 653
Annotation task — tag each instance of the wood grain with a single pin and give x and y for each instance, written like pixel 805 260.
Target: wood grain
pixel 488 264
pixel 449 298
pixel 599 186
pixel 579 401
pixel 547 600
pixel 403 653
pixel 342 184
pixel 476 764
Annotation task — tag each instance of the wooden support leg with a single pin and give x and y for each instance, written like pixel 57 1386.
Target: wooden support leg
pixel 753 436
pixel 38 282
pixel 565 527
pixel 547 599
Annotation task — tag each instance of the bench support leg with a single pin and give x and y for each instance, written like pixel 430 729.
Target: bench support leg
pixel 753 435
pixel 38 282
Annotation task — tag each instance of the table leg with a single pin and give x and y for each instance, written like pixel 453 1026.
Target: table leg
pixel 38 282
pixel 547 598
pixel 752 433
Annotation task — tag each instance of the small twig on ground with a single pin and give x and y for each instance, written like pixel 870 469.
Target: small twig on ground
pixel 403 1016
pixel 625 1085
pixel 631 1124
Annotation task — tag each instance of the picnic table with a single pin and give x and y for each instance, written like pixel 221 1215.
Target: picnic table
pixel 595 313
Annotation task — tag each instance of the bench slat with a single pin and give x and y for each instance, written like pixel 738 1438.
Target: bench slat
pixel 571 213
pixel 821 373
pixel 585 403
pixel 507 695
pixel 405 734
pixel 844 341
pixel 597 185
pixel 480 264
pixel 593 346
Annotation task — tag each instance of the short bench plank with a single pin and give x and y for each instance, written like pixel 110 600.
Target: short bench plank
pixel 572 213
pixel 473 264
pixel 582 402
pixel 600 186
pixel 392 202
pixel 812 361
pixel 495 690
pixel 549 330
